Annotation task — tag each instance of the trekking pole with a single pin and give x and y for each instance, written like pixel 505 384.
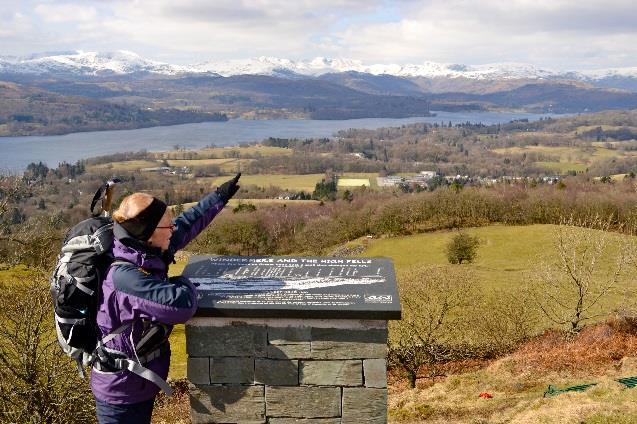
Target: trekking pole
pixel 107 201
pixel 105 194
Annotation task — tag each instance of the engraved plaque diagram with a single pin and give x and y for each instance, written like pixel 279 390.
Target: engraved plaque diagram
pixel 310 287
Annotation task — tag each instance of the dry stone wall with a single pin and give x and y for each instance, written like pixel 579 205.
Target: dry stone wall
pixel 287 371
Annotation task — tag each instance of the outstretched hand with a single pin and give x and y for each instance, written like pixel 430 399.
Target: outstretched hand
pixel 229 188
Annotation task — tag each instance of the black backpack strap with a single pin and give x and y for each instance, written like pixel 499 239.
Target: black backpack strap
pixel 109 360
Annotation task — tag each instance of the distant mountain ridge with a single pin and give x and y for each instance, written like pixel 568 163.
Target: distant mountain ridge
pixel 119 84
pixel 128 63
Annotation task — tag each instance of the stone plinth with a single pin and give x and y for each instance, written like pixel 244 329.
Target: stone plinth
pixel 284 340
pixel 269 370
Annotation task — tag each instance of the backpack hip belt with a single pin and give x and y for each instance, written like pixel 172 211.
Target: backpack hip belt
pixel 112 360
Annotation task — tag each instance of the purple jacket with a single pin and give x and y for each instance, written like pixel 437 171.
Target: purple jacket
pixel 141 292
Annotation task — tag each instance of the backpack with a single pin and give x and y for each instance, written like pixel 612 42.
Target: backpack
pixel 82 264
pixel 76 282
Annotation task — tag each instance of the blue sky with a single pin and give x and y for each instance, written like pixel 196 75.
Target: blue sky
pixel 556 34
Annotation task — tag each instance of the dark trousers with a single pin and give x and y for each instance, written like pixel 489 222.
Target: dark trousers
pixel 134 413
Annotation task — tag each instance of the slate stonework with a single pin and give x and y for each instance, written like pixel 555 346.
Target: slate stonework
pixel 227 404
pixel 288 335
pixel 331 343
pixel 303 402
pixel 277 372
pixel 375 373
pixel 231 340
pixel 232 370
pixel 331 373
pixel 290 351
pixel 304 421
pixel 364 406
pixel 261 372
pixel 199 370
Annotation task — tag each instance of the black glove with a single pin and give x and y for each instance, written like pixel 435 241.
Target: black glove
pixel 229 188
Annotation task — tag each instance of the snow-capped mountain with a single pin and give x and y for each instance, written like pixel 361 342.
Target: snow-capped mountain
pixel 125 62
pixel 320 66
pixel 86 64
pixel 610 73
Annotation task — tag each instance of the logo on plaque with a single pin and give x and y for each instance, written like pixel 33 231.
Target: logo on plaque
pixel 378 298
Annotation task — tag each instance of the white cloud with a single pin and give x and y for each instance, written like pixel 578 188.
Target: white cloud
pixel 228 29
pixel 15 25
pixel 66 12
pixel 553 33
pixel 558 33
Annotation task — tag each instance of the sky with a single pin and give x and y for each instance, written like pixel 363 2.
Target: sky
pixel 553 34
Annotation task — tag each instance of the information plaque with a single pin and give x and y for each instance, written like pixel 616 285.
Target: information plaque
pixel 294 287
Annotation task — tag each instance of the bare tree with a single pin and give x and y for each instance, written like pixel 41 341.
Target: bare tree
pixel 432 299
pixel 38 384
pixel 585 268
pixel 501 320
pixel 34 243
pixel 11 188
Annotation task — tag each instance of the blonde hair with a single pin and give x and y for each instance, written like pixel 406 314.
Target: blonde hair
pixel 131 206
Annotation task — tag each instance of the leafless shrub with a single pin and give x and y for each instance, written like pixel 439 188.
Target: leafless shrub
pixel 501 320
pixel 12 188
pixel 585 268
pixel 433 298
pixel 38 384
pixel 34 243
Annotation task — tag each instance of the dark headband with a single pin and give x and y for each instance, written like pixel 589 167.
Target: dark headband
pixel 143 225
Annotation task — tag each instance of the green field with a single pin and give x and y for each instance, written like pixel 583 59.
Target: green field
pixel 200 162
pixel 568 158
pixel 298 182
pixel 562 167
pixel 369 176
pixel 228 152
pixel 508 256
pixel 353 182
pixel 305 183
pixel 128 165
pixel 224 157
pixel 507 259
pixel 585 128
pixel 225 164
pixel 549 150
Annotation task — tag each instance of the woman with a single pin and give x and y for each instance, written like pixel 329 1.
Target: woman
pixel 139 304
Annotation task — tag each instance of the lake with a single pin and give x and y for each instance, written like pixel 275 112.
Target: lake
pixel 18 152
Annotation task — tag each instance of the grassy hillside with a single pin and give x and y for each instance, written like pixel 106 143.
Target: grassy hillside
pixel 563 159
pixel 508 257
pixel 601 353
pixel 517 389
